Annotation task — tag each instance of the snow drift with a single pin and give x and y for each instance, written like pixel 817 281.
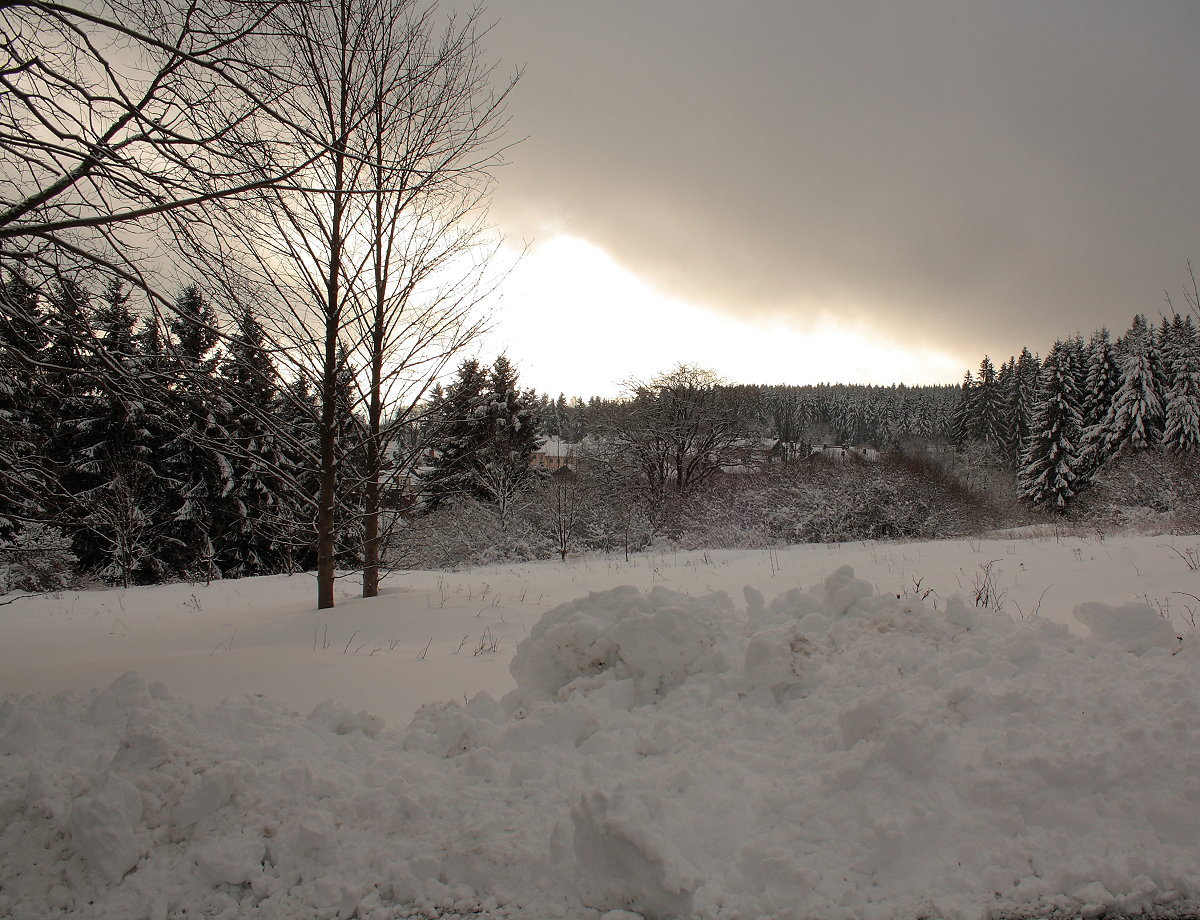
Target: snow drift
pixel 829 753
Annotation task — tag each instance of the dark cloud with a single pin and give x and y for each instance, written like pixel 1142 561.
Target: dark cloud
pixel 970 175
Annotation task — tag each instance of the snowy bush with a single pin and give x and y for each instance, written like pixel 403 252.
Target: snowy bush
pixel 825 502
pixel 37 559
pixel 815 501
pixel 1150 489
pixel 465 532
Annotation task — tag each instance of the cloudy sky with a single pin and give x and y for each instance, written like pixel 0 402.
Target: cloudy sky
pixel 789 190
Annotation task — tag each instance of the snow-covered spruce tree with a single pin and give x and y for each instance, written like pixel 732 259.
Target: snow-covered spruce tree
pixel 1048 472
pixel 352 465
pixel 987 422
pixel 195 459
pixel 1020 402
pixel 252 535
pixel 114 498
pixel 1182 420
pixel 296 413
pixel 486 434
pixel 62 380
pixel 962 422
pixel 785 412
pixel 502 466
pixel 23 423
pixel 1176 337
pixel 1135 418
pixel 1102 381
pixel 454 421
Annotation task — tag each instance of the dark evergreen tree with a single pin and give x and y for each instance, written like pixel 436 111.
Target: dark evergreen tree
pixel 987 421
pixel 23 420
pixel 1182 417
pixel 962 422
pixel 196 458
pixel 1135 337
pixel 113 496
pixel 67 336
pixel 1023 403
pixel 297 420
pixel 351 467
pixel 456 419
pixel 64 379
pixel 1135 418
pixel 1102 381
pixel 1048 474
pixel 502 467
pixel 488 432
pixel 252 534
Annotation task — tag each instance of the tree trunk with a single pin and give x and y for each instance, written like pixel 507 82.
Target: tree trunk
pixel 325 521
pixel 371 537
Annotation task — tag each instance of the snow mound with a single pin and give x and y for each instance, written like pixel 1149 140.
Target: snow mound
pixel 831 752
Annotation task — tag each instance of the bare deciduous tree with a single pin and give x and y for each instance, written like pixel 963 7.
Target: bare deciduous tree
pixel 120 117
pixel 674 433
pixel 369 268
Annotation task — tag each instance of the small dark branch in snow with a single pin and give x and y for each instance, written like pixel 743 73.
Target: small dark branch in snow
pixel 227 644
pixel 321 631
pixel 1037 608
pixel 348 641
pixel 1190 555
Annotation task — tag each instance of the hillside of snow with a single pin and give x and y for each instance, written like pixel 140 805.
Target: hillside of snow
pixel 954 729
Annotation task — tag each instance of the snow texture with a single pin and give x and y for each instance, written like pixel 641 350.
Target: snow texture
pixel 833 752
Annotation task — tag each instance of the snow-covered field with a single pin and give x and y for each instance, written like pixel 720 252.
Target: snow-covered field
pixel 736 735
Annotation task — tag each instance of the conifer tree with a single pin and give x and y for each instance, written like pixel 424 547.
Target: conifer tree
pixel 987 423
pixel 456 419
pixel 962 421
pixel 297 412
pixel 113 495
pixel 195 459
pixel 488 432
pixel 23 421
pixel 1182 419
pixel 251 535
pixel 1102 381
pixel 1136 416
pixel 1048 474
pixel 562 419
pixel 63 380
pixel 511 432
pixel 352 465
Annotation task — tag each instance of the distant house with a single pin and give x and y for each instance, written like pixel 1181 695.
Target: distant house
pixel 555 454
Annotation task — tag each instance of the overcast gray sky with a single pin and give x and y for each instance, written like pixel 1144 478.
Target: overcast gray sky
pixel 971 176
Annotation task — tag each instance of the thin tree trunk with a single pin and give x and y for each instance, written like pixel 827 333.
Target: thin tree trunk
pixel 326 521
pixel 326 518
pixel 375 445
pixel 371 548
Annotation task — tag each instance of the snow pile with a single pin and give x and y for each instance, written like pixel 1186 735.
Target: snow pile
pixel 832 752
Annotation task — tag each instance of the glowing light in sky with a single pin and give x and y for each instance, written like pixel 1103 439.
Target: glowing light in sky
pixel 575 321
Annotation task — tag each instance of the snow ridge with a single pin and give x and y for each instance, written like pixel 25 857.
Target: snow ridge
pixel 833 753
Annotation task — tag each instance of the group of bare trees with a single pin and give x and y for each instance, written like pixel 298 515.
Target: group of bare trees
pixel 322 166
pixel 673 433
